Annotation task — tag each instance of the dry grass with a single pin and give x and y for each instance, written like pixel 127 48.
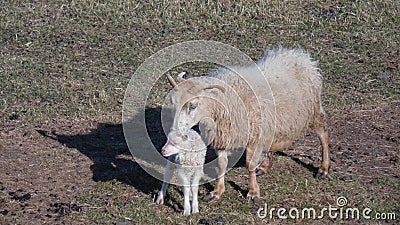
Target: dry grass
pixel 75 58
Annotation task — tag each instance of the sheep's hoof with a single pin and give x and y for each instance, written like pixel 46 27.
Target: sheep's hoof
pixel 211 196
pixel 322 174
pixel 260 171
pixel 254 198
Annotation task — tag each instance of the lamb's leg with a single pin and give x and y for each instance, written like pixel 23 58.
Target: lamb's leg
pixel 220 188
pixel 186 192
pixel 195 190
pixel 169 170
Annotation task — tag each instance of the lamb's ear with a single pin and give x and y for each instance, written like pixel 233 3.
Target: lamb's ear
pixel 211 86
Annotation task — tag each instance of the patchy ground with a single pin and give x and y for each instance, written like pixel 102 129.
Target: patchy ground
pixel 49 168
pixel 65 66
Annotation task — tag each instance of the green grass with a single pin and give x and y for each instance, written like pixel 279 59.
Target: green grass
pixel 73 59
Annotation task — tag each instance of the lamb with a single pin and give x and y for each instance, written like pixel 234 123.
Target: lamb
pixel 274 116
pixel 188 151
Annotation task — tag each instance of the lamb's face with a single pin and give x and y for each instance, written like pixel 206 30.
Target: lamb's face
pixel 174 143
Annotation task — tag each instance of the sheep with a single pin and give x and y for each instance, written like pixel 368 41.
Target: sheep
pixel 274 120
pixel 188 151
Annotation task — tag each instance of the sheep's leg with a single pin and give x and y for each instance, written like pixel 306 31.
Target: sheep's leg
pixel 266 164
pixel 326 162
pixel 220 188
pixel 195 190
pixel 169 170
pixel 251 164
pixel 186 192
pixel 320 128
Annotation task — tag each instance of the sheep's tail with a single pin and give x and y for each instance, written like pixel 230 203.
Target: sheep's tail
pixel 281 55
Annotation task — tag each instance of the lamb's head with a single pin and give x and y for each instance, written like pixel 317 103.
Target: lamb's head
pixel 174 143
pixel 182 141
pixel 190 100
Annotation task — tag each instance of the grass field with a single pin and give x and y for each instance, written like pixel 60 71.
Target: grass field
pixel 65 66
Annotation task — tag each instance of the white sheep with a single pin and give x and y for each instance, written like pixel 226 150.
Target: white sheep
pixel 274 120
pixel 187 150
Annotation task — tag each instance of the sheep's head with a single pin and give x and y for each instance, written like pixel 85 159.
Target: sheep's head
pixel 190 100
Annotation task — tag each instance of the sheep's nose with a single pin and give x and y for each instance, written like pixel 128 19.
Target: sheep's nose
pixel 163 151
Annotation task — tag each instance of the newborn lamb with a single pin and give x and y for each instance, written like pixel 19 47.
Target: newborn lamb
pixel 187 151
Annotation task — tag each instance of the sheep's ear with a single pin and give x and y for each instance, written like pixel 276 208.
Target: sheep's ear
pixel 185 137
pixel 211 86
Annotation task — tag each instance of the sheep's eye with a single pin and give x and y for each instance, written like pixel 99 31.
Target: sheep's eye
pixel 192 106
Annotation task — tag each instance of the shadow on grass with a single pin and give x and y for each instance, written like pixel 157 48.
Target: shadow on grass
pixel 310 167
pixel 237 188
pixel 111 158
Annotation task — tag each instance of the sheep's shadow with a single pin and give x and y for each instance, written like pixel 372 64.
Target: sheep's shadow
pixel 112 160
pixel 107 148
pixel 309 167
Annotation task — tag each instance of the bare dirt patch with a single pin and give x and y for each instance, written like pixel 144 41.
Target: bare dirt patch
pixel 365 142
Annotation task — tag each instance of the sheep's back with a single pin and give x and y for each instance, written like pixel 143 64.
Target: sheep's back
pixel 295 85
